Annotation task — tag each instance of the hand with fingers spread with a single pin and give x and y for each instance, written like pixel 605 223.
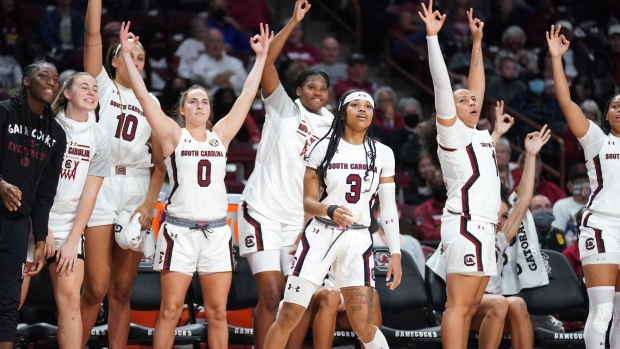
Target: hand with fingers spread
pixel 534 141
pixel 50 244
pixel 558 44
pixel 260 43
pixel 128 39
pixel 475 26
pixel 395 270
pixel 503 122
pixel 433 19
pixel 11 196
pixel 301 8
pixel 66 257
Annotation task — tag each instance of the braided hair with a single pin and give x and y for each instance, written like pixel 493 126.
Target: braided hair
pixel 335 133
pixel 112 52
pixel 606 127
pixel 25 113
pixel 306 74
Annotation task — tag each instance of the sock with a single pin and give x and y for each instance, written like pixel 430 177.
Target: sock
pixel 614 336
pixel 379 342
pixel 601 307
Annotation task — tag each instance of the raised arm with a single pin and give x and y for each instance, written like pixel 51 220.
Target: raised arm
pixel 533 143
pixel 444 100
pixel 168 132
pixel 93 60
pixel 475 82
pixel 503 122
pixel 270 79
pixel 558 45
pixel 227 128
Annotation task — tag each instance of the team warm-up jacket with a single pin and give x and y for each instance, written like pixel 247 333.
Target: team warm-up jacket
pixel 20 165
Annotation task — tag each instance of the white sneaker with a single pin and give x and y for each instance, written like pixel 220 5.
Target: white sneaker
pixel 547 322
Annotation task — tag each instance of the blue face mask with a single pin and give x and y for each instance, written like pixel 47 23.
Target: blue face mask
pixel 537 87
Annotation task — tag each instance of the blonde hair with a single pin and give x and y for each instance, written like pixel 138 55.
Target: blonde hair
pixel 176 109
pixel 61 101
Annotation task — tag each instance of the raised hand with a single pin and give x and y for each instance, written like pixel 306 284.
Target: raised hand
pixel 301 8
pixel 260 43
pixel 475 25
pixel 433 20
pixel 128 39
pixel 558 44
pixel 534 141
pixel 503 122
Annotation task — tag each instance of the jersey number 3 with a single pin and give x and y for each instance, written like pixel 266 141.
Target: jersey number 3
pixel 355 181
pixel 126 128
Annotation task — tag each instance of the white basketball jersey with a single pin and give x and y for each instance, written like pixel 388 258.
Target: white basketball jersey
pixel 469 167
pixel 346 183
pixel 275 188
pixel 122 118
pixel 196 171
pixel 602 153
pixel 87 152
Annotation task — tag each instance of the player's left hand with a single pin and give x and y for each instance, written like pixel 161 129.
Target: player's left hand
pixel 534 141
pixel 147 212
pixel 260 43
pixel 39 259
pixel 475 25
pixel 394 270
pixel 128 39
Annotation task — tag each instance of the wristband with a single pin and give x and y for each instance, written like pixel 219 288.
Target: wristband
pixel 330 211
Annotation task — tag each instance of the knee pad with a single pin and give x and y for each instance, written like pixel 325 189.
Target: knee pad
pixel 602 316
pixel 298 291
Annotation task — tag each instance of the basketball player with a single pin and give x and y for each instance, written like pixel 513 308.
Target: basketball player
pixel 346 169
pixel 31 152
pixel 497 314
pixel 599 241
pixel 133 186
pixel 195 237
pixel 467 159
pixel 271 216
pixel 85 164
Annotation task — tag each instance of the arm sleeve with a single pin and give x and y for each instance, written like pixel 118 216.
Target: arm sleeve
pixel 100 163
pixel 280 105
pixel 46 191
pixel 592 142
pixel 389 213
pixel 444 101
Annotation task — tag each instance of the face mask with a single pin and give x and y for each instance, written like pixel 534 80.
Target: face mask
pixel 411 120
pixel 543 220
pixel 439 193
pixel 537 87
pixel 582 190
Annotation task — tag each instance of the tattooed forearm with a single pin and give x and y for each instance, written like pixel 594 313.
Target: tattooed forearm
pixel 478 53
pixel 512 223
pixel 370 296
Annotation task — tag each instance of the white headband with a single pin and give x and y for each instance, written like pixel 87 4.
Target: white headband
pixel 118 48
pixel 359 95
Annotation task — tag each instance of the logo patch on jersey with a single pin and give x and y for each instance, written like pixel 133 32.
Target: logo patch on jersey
pixel 69 170
pixel 290 286
pixel 469 260
pixel 382 259
pixel 214 142
pixel 589 244
pixel 249 241
pixel 121 170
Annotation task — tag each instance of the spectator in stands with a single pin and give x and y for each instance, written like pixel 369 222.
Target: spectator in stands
pixel 109 35
pixel 410 26
pixel 386 115
pixel 541 185
pixel 405 141
pixel 156 67
pixel 357 74
pixel 215 68
pixel 235 38
pixel 223 101
pixel 572 252
pixel 581 88
pixel 572 148
pixel 292 72
pixel 11 21
pixel 457 24
pixel 330 51
pixel 427 216
pixel 576 56
pixel 545 68
pixel 503 152
pixel 565 210
pixel 408 243
pixel 171 94
pixel 419 189
pixel 297 49
pixel 505 85
pixel 614 43
pixel 250 14
pixel 191 48
pixel 549 236
pixel 10 72
pixel 513 45
pixel 506 15
pixel 538 21
pixel 62 31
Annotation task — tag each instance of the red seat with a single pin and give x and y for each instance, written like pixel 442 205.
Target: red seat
pixel 427 250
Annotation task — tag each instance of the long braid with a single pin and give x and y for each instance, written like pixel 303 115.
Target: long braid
pixel 373 156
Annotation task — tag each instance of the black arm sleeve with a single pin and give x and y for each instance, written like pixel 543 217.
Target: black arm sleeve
pixel 46 191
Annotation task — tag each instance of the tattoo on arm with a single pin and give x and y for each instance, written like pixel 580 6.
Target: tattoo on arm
pixel 478 57
pixel 513 222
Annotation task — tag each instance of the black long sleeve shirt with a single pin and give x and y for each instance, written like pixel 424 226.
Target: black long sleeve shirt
pixel 20 165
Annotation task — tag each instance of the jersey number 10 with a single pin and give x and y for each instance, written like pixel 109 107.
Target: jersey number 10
pixel 126 128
